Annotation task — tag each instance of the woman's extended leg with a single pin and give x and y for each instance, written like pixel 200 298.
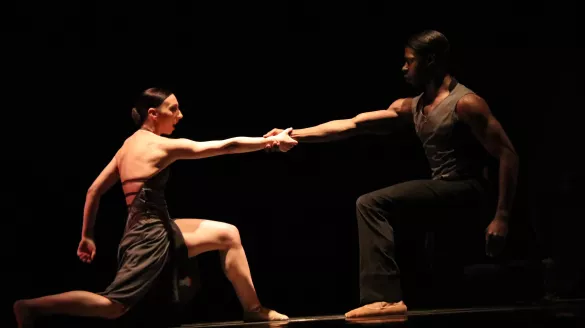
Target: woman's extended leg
pixel 76 303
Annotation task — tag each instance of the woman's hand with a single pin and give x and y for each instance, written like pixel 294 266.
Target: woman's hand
pixel 86 250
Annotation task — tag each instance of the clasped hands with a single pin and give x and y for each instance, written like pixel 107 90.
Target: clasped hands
pixel 282 141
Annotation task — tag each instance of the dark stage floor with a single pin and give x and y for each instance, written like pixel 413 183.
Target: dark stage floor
pixel 567 313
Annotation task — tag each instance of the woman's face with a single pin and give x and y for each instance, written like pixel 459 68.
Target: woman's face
pixel 168 115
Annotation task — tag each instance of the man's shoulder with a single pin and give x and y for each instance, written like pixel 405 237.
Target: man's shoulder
pixel 403 105
pixel 470 99
pixel 463 90
pixel 471 104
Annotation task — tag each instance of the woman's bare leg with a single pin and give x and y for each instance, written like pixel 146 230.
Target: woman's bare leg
pixel 75 303
pixel 206 235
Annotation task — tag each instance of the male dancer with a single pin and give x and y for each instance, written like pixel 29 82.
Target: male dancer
pixel 457 130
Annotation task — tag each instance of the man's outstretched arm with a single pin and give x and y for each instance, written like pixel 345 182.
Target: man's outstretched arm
pixel 375 122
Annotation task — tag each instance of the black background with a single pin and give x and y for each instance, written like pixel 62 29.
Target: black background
pixel 241 70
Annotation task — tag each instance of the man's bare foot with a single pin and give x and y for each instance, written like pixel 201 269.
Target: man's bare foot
pixel 377 309
pixel 23 314
pixel 263 314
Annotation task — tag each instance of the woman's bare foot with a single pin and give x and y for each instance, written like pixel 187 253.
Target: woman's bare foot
pixel 23 314
pixel 377 309
pixel 263 314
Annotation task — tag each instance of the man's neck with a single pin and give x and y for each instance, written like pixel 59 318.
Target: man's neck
pixel 437 86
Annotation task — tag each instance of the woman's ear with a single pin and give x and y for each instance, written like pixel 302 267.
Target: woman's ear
pixel 152 112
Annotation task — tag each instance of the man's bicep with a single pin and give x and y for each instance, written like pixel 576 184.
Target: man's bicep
pixel 374 116
pixel 476 113
pixel 381 121
pixel 403 106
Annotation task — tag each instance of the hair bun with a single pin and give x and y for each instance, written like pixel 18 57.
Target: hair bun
pixel 136 116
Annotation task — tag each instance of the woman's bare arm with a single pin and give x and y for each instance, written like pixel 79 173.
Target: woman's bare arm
pixel 189 149
pixel 105 180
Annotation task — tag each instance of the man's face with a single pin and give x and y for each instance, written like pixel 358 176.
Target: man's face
pixel 415 68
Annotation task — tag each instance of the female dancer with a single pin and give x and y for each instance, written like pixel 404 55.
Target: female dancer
pixel 152 241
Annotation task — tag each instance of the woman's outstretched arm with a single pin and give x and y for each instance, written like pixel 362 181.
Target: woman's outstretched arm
pixel 189 149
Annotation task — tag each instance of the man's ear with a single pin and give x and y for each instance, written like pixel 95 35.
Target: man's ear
pixel 431 60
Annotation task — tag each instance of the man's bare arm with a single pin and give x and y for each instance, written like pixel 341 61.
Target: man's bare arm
pixel 375 122
pixel 473 110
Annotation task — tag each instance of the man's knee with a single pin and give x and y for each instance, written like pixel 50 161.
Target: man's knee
pixel 368 201
pixel 363 201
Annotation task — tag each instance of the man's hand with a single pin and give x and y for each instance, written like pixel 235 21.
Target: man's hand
pixel 495 236
pixel 273 132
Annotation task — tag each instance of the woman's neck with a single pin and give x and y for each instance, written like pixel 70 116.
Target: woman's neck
pixel 149 127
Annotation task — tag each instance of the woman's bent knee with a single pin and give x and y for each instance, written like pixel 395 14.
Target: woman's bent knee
pixel 229 235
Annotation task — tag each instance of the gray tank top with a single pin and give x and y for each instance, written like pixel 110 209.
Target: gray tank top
pixel 452 150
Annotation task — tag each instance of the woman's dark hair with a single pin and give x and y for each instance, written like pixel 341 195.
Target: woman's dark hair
pixel 149 98
pixel 430 43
